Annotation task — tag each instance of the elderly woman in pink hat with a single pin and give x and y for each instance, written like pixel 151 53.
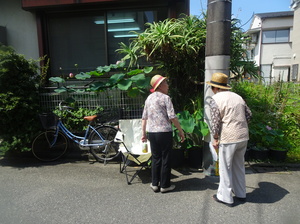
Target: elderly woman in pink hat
pixel 157 119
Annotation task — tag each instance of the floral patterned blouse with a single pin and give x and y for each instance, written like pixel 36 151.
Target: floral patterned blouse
pixel 158 111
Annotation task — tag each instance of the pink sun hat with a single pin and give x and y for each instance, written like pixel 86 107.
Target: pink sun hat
pixel 155 81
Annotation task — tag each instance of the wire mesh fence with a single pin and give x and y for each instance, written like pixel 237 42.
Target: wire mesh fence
pixel 115 103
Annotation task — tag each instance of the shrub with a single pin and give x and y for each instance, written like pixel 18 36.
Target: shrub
pixel 74 121
pixel 19 102
pixel 276 119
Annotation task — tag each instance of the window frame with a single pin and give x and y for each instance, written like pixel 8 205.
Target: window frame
pixel 264 41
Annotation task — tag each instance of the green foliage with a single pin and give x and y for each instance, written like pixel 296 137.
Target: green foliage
pixel 133 81
pixel 194 128
pixel 74 121
pixel 19 101
pixel 177 46
pixel 240 65
pixel 267 137
pixel 276 119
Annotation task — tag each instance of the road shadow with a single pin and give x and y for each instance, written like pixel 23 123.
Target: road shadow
pixel 197 184
pixel 22 160
pixel 266 193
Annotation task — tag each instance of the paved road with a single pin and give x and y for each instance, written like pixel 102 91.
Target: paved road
pixel 83 192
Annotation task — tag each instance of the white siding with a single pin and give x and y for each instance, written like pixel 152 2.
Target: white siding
pixel 277 23
pixel 270 51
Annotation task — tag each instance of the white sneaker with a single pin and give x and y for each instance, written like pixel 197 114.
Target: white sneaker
pixel 154 188
pixel 164 190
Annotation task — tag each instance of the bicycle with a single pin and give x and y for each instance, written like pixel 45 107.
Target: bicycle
pixel 52 144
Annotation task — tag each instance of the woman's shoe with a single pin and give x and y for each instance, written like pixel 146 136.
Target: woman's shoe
pixel 164 190
pixel 217 200
pixel 154 188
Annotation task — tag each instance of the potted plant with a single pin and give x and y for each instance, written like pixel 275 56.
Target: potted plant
pixel 267 142
pixel 195 128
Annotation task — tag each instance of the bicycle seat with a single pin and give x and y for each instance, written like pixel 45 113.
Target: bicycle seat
pixel 90 118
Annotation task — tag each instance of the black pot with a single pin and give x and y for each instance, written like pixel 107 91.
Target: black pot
pixel 248 155
pixel 277 155
pixel 177 158
pixel 195 157
pixel 260 154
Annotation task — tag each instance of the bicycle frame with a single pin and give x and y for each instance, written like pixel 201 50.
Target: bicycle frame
pixel 81 140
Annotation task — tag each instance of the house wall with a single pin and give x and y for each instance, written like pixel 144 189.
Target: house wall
pixel 256 23
pixel 275 60
pixel 21 30
pixel 281 22
pixel 271 51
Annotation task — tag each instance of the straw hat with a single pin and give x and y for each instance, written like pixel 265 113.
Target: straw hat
pixel 219 80
pixel 155 81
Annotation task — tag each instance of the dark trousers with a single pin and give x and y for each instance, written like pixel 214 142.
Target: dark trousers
pixel 161 145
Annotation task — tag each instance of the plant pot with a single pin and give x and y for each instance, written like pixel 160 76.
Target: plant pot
pixel 260 154
pixel 195 157
pixel 177 158
pixel 278 155
pixel 248 154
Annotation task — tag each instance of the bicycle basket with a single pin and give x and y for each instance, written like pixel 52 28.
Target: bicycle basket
pixel 48 120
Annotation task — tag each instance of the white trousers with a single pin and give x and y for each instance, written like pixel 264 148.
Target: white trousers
pixel 232 171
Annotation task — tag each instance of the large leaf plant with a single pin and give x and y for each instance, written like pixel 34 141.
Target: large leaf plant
pixel 133 81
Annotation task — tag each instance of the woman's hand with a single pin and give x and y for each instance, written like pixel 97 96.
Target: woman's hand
pixel 216 143
pixel 181 135
pixel 144 138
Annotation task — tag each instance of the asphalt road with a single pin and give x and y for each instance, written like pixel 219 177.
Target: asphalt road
pixel 82 192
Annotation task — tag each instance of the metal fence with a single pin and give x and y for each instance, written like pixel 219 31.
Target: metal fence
pixel 116 102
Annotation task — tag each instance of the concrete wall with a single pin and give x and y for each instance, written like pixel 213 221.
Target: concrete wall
pixel 21 29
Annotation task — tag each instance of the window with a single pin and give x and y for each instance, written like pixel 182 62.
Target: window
pixel 90 40
pixel 276 36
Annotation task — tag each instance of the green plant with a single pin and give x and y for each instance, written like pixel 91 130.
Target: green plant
pixel 240 65
pixel 267 137
pixel 19 100
pixel 276 106
pixel 177 47
pixel 74 121
pixel 134 81
pixel 194 127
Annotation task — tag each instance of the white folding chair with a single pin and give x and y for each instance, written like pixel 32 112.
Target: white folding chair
pixel 131 146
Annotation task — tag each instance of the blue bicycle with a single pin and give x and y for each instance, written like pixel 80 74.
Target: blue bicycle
pixel 53 143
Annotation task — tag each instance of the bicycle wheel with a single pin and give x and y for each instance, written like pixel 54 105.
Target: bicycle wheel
pixel 110 149
pixel 41 146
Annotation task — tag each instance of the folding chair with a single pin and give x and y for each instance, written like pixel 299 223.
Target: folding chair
pixel 131 145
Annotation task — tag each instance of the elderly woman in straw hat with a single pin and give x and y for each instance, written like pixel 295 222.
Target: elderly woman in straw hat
pixel 157 119
pixel 229 126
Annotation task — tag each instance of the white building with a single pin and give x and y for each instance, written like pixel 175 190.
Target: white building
pixel 271 47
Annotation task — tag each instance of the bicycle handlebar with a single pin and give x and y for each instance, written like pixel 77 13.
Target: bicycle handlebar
pixel 64 107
